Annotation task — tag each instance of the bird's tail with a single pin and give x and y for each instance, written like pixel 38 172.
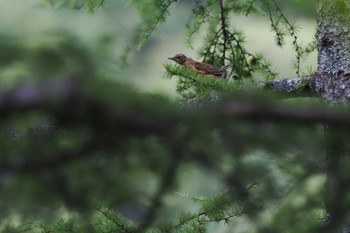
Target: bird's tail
pixel 223 68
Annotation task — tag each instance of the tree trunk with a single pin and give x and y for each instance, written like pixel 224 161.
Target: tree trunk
pixel 332 82
pixel 333 30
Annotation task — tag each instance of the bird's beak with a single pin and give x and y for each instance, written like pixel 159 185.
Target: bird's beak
pixel 171 58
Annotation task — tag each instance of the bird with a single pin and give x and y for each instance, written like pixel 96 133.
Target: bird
pixel 200 67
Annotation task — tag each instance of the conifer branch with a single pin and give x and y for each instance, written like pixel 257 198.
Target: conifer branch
pixel 223 205
pixel 250 8
pixel 213 44
pixel 164 9
pixel 122 226
pixel 144 30
pixel 292 32
pixel 100 3
pixel 279 31
pixel 241 49
pixel 198 19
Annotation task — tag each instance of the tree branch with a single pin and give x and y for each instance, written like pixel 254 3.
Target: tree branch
pixel 292 87
pixel 57 93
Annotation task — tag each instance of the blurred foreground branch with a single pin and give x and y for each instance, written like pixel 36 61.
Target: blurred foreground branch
pixel 70 104
pixel 67 93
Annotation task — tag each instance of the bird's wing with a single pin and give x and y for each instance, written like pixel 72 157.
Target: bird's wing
pixel 205 68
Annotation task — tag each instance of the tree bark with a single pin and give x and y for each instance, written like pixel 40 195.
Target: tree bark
pixel 333 29
pixel 332 82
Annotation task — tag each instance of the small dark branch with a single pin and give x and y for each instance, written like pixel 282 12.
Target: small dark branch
pixel 100 4
pixel 226 219
pixel 122 227
pixel 162 14
pixel 240 47
pixel 291 30
pixel 243 58
pixel 251 3
pixel 166 182
pixel 237 42
pixel 279 35
pixel 195 12
pixel 223 27
pixel 213 44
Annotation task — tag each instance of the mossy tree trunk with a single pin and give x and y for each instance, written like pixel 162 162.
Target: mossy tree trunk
pixel 333 31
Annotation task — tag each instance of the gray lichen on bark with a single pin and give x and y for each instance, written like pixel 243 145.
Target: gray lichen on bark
pixel 289 85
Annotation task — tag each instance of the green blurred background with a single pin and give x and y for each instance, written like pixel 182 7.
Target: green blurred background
pixel 31 19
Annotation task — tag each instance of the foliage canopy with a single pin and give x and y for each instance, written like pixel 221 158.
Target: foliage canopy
pixel 82 152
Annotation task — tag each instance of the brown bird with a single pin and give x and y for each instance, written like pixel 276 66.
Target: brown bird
pixel 200 67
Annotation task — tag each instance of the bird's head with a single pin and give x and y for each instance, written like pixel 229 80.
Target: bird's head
pixel 179 58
